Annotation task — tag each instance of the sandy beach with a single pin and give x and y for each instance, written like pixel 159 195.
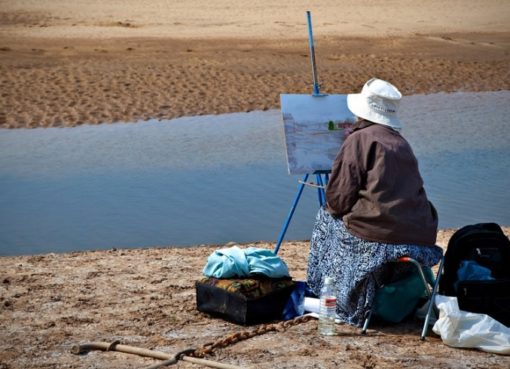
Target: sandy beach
pixel 145 298
pixel 65 64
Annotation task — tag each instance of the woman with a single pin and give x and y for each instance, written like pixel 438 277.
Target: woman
pixel 377 210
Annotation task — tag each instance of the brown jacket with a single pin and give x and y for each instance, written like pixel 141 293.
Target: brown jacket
pixel 376 188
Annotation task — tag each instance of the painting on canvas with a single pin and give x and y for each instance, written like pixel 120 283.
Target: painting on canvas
pixel 315 127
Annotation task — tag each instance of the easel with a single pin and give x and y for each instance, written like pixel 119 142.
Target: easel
pixel 321 177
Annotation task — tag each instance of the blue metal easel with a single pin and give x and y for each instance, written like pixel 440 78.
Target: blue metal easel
pixel 321 177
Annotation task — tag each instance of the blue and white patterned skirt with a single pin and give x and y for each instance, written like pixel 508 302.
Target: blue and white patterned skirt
pixel 357 266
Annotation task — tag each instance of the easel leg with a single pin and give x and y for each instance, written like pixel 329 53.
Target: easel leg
pixel 322 201
pixel 291 213
pixel 320 191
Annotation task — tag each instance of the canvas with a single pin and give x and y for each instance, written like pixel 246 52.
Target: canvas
pixel 314 127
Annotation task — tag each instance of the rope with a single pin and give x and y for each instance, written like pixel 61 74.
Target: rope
pixel 233 338
pixel 194 354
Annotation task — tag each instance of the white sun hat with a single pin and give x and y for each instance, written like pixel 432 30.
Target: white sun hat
pixel 378 102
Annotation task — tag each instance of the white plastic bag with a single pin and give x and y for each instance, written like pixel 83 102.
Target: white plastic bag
pixel 459 328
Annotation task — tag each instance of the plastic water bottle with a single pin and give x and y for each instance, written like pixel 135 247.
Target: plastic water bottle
pixel 327 309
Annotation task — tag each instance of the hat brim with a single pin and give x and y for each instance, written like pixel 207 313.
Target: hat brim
pixel 358 106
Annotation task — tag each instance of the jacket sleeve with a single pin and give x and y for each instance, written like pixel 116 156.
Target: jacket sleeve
pixel 347 176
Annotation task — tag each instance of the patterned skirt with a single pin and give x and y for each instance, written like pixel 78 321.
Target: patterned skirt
pixel 357 266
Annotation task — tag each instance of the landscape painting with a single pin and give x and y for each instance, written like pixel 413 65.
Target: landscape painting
pixel 315 127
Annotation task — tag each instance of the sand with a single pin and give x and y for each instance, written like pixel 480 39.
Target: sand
pixel 65 64
pixel 145 298
pixel 69 63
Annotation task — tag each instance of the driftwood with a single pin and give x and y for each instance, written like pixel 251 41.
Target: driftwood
pixel 168 359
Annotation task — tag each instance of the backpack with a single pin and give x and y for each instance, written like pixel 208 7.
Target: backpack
pixel 484 245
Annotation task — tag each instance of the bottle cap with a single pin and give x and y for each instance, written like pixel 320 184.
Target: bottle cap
pixel 328 280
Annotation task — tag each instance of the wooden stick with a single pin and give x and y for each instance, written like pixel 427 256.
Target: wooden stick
pixel 208 363
pixel 192 360
pixel 105 346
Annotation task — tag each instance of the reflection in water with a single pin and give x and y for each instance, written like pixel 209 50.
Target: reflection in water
pixel 215 179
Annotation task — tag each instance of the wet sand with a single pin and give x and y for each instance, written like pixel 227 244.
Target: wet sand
pixel 51 83
pixel 92 63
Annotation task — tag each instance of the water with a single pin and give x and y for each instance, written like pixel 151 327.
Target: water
pixel 215 179
pixel 327 310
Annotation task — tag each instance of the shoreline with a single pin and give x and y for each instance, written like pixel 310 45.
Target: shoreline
pixel 443 236
pixel 442 240
pixel 275 109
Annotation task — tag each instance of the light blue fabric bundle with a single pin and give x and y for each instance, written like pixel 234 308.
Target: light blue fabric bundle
pixel 235 262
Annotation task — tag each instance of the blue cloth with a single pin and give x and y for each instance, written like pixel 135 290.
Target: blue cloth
pixel 470 270
pixel 296 304
pixel 235 262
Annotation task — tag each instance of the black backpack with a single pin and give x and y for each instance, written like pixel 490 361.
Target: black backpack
pixel 487 245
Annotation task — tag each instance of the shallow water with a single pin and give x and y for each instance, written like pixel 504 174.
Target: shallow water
pixel 215 179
